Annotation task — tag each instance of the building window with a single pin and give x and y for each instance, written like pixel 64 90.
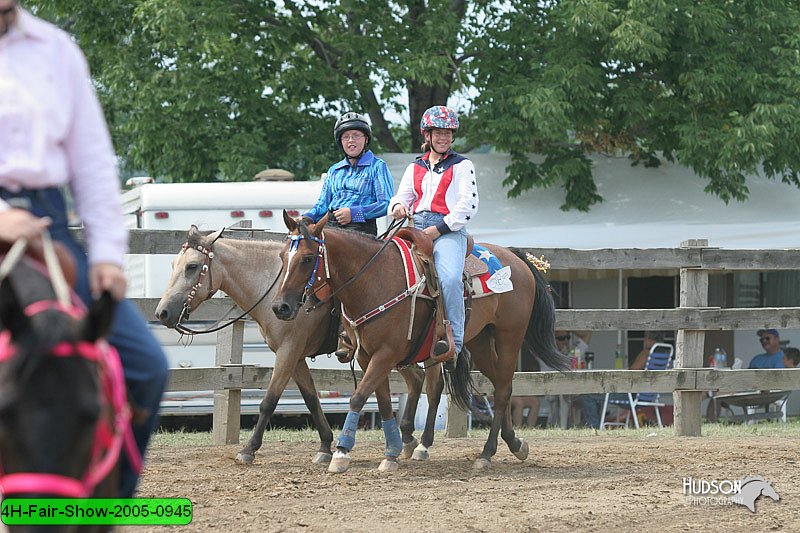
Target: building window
pixel 766 289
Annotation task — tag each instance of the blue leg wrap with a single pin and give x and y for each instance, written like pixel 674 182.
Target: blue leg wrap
pixel 394 444
pixel 347 438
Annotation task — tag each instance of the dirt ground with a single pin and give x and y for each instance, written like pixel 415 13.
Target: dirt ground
pixel 586 483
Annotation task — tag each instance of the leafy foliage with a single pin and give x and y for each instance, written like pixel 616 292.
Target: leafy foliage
pixel 197 90
pixel 712 85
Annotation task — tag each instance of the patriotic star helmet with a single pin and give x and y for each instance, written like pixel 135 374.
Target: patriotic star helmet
pixel 438 116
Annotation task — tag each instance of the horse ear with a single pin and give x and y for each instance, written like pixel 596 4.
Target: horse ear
pixel 214 236
pixel 193 230
pixel 12 314
pixel 100 317
pixel 291 224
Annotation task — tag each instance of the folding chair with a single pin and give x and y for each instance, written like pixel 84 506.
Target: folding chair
pixel 659 358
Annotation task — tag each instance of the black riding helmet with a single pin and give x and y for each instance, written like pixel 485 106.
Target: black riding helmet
pixel 352 121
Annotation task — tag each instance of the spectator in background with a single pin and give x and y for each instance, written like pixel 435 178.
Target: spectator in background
pixel 650 338
pixel 565 342
pixel 791 358
pixel 773 355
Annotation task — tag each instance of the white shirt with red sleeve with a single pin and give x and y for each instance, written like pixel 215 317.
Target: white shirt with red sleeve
pixel 449 188
pixel 53 132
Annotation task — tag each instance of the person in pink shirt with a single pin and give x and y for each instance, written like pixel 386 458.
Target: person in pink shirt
pixel 54 140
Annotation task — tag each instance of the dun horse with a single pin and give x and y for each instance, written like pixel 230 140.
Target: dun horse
pixel 499 325
pixel 245 270
pixel 63 413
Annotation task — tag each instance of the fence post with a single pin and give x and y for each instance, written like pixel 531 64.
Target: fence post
pixel 456 424
pixel 226 422
pixel 690 345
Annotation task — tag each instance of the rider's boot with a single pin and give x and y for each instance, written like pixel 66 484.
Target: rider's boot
pixel 344 349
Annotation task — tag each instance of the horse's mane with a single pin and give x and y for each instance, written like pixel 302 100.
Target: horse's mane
pixel 198 239
pixel 304 231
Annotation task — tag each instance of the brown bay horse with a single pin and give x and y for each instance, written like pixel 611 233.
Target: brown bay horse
pixel 500 325
pixel 245 270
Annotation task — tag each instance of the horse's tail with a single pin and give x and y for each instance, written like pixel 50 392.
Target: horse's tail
pixel 459 381
pixel 540 339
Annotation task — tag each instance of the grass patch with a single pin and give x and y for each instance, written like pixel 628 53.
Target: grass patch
pixel 309 435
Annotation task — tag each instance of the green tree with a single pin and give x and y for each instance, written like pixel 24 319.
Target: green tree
pixel 712 85
pixel 198 89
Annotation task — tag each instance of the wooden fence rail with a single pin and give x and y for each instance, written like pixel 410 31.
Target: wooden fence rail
pixel 694 260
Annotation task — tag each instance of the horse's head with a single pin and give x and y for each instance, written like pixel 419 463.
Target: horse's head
pixel 50 389
pixel 190 282
pixel 301 257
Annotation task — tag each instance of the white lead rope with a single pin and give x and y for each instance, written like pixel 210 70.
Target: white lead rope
pixel 60 285
pixel 12 257
pixel 17 250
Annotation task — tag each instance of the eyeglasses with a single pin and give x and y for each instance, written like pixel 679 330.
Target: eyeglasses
pixel 563 338
pixel 353 137
pixel 765 339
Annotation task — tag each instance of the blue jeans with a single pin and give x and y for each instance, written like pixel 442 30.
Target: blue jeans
pixel 591 404
pixel 143 361
pixel 448 257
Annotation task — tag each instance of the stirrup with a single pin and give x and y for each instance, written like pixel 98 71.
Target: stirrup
pixel 441 347
pixel 344 350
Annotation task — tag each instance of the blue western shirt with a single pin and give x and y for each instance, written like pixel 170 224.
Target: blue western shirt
pixel 364 187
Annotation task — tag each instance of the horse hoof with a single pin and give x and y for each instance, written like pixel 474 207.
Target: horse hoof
pixel 243 458
pixel 321 458
pixel 522 453
pixel 389 464
pixel 339 463
pixel 420 453
pixel 408 449
pixel 482 464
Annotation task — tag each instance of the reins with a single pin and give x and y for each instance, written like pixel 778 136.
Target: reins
pixel 187 331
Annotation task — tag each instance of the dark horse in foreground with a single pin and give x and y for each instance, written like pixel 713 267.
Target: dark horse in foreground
pixel 247 270
pixel 499 326
pixel 64 418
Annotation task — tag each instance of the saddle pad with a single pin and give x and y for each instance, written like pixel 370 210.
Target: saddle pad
pixel 491 277
pixel 495 279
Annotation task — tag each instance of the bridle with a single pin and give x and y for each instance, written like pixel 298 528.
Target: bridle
pixel 294 244
pixel 109 437
pixel 206 270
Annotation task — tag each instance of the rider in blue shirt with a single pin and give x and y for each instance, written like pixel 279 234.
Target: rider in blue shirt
pixel 773 357
pixel 357 188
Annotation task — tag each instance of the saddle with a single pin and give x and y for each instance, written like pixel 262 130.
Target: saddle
pixel 422 248
pixel 35 251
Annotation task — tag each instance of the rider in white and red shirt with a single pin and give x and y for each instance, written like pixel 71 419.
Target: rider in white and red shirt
pixel 439 188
